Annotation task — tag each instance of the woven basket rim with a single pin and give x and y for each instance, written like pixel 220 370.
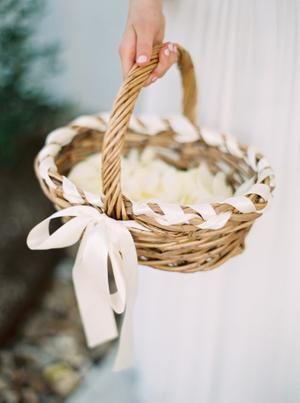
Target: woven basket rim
pixel 61 137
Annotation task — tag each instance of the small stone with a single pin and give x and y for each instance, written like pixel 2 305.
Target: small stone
pixel 61 345
pixel 29 396
pixel 5 359
pixel 31 355
pixel 9 396
pixel 61 378
pixel 3 384
pixel 38 384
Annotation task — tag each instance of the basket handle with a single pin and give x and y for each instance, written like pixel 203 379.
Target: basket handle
pixel 114 203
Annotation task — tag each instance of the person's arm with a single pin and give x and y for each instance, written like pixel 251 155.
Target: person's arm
pixel 145 27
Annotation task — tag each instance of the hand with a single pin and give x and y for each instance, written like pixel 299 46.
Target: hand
pixel 145 28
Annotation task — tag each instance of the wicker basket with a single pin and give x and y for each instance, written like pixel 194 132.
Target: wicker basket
pixel 167 236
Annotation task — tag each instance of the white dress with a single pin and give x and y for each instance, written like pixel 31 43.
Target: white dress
pixel 232 335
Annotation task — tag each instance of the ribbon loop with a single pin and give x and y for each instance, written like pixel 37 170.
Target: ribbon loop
pixel 102 239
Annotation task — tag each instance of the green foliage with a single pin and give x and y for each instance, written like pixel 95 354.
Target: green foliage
pixel 25 109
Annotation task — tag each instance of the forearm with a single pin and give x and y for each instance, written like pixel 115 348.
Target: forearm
pixel 158 4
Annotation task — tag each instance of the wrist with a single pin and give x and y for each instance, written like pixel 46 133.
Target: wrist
pixel 146 4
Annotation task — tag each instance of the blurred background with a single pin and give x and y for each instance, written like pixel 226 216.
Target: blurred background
pixel 59 59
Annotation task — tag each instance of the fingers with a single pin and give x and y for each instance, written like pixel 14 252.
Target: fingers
pixel 127 50
pixel 144 44
pixel 167 57
pixel 144 28
pixel 136 47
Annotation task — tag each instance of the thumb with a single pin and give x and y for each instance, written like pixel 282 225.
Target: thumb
pixel 144 44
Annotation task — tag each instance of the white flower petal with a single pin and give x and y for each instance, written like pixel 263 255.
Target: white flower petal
pixel 145 177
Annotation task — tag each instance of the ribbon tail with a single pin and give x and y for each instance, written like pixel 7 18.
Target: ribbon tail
pixel 128 262
pixel 91 284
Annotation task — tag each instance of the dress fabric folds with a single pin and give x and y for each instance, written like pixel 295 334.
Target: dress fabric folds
pixel 232 335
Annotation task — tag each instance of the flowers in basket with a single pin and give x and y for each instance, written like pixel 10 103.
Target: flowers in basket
pixel 146 177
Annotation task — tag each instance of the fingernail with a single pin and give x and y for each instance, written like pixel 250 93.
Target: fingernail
pixel 153 79
pixel 170 46
pixel 167 52
pixel 141 59
pixel 175 48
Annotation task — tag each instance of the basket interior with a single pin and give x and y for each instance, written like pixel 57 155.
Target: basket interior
pixel 183 156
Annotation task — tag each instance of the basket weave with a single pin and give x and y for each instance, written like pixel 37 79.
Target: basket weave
pixel 200 237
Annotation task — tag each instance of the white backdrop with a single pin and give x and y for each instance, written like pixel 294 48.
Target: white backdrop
pixel 232 335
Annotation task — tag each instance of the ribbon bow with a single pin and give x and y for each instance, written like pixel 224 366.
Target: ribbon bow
pixel 103 239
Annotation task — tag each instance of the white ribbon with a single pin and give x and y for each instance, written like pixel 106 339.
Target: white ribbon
pixel 103 238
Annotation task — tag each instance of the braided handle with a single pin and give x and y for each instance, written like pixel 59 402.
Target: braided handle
pixel 114 204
